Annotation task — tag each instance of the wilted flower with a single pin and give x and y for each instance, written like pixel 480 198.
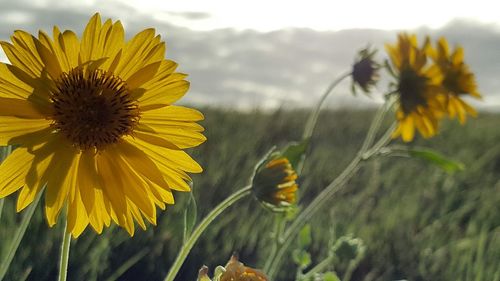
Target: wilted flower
pixel 93 122
pixel 274 183
pixel 237 271
pixel 203 274
pixel 365 71
pixel 418 86
pixel 458 80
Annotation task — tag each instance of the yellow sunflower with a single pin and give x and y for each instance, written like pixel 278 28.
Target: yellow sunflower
pixel 417 86
pixel 458 80
pixel 94 124
pixel 274 183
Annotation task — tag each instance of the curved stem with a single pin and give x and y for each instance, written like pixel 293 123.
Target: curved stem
pixel 18 236
pixel 319 267
pixel 313 118
pixel 325 195
pixel 65 246
pixel 186 248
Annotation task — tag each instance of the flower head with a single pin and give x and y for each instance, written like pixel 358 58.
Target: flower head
pixel 94 124
pixel 237 271
pixel 274 183
pixel 365 71
pixel 418 86
pixel 458 80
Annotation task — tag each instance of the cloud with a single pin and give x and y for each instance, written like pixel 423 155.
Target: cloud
pixel 247 69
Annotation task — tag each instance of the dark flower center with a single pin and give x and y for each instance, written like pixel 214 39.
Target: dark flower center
pixel 411 88
pixel 93 109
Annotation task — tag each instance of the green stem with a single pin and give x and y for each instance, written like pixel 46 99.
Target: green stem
pixel 313 118
pixel 278 232
pixel 18 236
pixel 63 264
pixel 320 267
pixel 186 248
pixel 325 195
pixel 128 264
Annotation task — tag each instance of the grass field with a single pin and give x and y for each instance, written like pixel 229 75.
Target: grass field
pixel 417 221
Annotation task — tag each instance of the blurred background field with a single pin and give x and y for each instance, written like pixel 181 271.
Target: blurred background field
pixel 417 221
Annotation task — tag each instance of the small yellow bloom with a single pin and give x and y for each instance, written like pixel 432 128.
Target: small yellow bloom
pixel 458 80
pixel 94 122
pixel 274 183
pixel 418 86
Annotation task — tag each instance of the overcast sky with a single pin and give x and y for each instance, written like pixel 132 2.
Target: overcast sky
pixel 268 53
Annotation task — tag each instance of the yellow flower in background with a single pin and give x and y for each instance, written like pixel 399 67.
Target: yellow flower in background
pixel 274 183
pixel 418 86
pixel 94 122
pixel 458 80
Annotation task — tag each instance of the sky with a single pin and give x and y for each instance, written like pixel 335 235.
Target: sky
pixel 269 54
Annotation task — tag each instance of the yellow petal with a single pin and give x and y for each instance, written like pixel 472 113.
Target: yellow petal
pixel 142 76
pixel 70 45
pixel 173 158
pixel 23 54
pixel 165 93
pixel 77 216
pixel 13 171
pixel 61 177
pixel 143 49
pixel 407 129
pixel 87 179
pixel 175 124
pixel 22 109
pixel 12 129
pixel 89 44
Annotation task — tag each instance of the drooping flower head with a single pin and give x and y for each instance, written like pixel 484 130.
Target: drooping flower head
pixel 237 271
pixel 274 183
pixel 94 124
pixel 365 71
pixel 458 80
pixel 418 85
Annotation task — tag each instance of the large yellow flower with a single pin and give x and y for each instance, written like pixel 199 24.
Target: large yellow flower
pixel 418 87
pixel 458 80
pixel 93 122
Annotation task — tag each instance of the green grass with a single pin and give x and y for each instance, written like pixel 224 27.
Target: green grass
pixel 417 221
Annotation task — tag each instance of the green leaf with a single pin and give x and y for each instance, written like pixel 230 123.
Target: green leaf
pixel 301 258
pixel 295 152
pixel 437 159
pixel 330 276
pixel 190 215
pixel 305 237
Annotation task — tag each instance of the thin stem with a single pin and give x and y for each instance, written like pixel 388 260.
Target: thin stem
pixel 324 196
pixel 65 245
pixel 313 118
pixel 186 248
pixel 319 267
pixel 18 236
pixel 128 264
pixel 278 232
